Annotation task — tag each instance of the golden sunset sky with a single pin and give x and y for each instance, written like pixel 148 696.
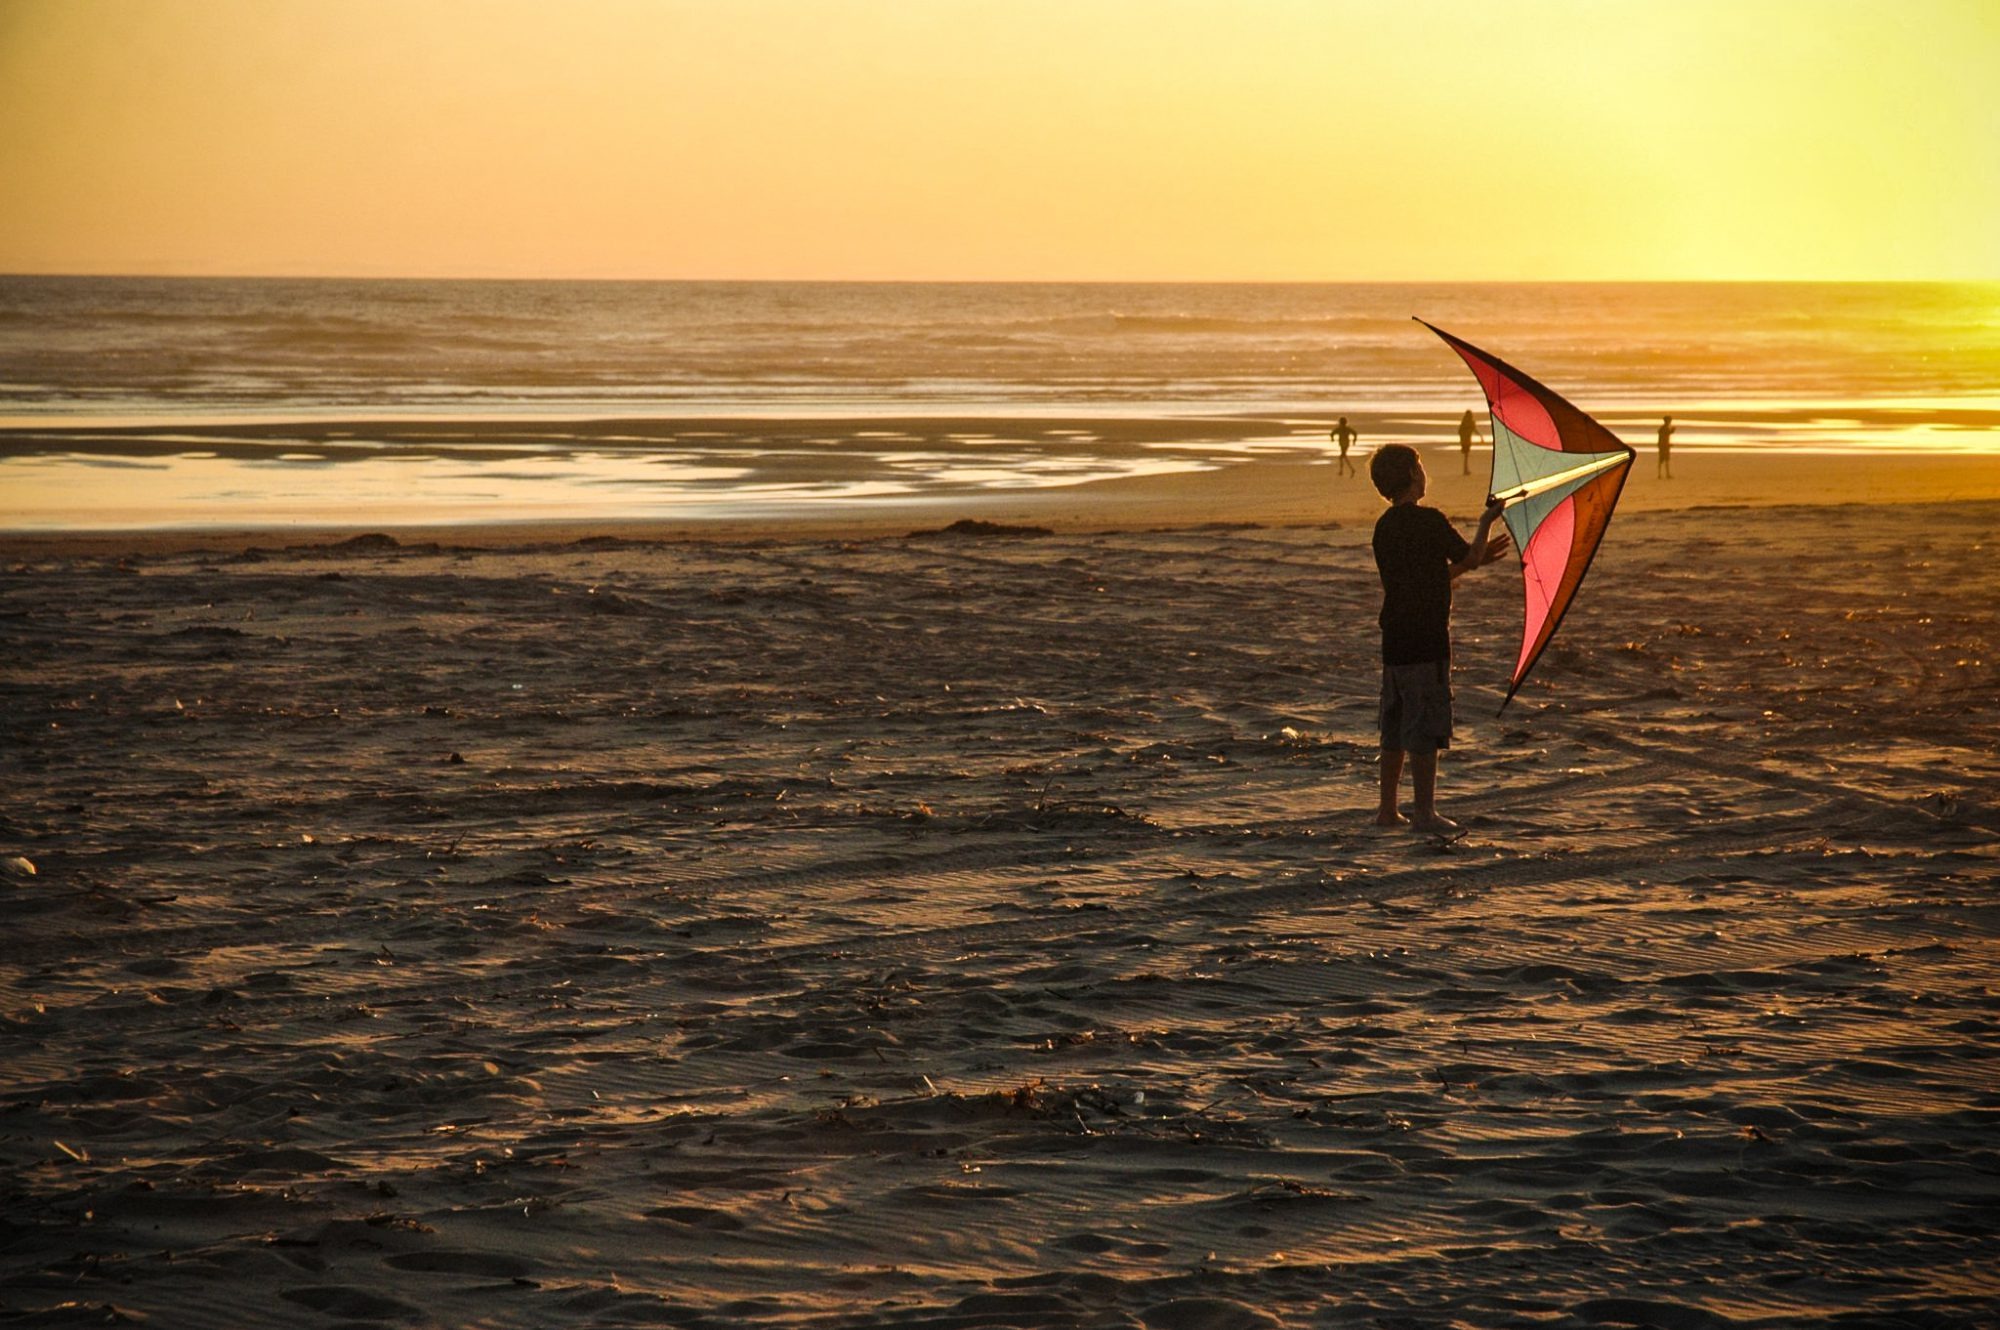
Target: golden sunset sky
pixel 1003 139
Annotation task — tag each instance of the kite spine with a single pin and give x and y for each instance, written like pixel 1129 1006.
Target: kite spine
pixel 1543 484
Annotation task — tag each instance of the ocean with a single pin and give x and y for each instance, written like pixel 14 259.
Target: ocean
pixel 177 377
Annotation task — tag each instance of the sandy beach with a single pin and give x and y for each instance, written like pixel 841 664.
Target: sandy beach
pixel 825 924
pixel 718 665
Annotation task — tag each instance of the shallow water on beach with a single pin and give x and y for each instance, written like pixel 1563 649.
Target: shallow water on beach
pixel 124 397
pixel 205 346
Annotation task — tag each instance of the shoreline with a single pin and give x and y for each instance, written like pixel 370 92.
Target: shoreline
pixel 1267 491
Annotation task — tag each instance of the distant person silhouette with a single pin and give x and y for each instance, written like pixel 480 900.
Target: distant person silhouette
pixel 1344 436
pixel 1666 466
pixel 1466 429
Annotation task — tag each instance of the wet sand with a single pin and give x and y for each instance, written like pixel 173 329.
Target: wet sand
pixel 560 481
pixel 544 928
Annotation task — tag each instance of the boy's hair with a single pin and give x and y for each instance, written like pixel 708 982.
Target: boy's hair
pixel 1392 468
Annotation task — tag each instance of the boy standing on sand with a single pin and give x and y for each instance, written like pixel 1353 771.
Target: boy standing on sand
pixel 1419 553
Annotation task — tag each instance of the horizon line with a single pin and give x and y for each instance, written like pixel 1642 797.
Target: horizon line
pixel 1006 281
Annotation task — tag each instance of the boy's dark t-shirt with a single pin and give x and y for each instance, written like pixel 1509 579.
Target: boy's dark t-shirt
pixel 1415 547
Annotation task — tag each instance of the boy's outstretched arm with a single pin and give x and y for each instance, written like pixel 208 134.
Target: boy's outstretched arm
pixel 1486 547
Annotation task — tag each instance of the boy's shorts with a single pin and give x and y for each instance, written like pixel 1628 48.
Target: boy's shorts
pixel 1416 706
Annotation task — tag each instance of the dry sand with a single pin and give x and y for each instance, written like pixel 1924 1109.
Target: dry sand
pixel 989 932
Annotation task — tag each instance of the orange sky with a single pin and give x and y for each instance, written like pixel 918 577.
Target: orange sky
pixel 981 139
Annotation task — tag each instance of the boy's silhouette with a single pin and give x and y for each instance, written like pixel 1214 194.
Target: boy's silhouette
pixel 1419 553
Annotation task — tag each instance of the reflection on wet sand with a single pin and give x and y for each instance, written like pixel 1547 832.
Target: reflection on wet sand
pixel 85 475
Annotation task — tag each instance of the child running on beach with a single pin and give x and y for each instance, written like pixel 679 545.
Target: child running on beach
pixel 1419 553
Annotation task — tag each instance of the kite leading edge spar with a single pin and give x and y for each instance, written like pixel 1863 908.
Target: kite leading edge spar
pixel 1560 474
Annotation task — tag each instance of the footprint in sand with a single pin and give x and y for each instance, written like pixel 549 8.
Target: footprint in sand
pixel 1204 1314
pixel 696 1216
pixel 484 1265
pixel 352 1304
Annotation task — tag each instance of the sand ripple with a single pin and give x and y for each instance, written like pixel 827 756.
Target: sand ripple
pixel 989 933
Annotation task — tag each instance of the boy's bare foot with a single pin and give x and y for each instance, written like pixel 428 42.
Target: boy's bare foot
pixel 1391 818
pixel 1437 825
